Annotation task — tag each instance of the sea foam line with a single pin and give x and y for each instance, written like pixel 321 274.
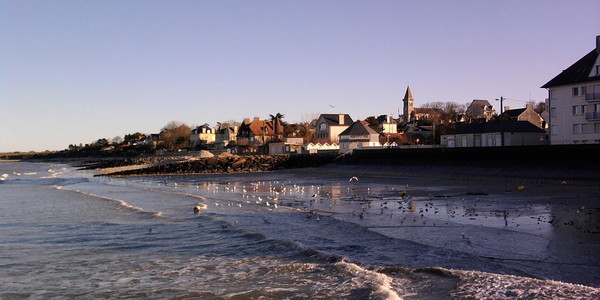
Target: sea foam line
pixel 119 201
pixel 381 283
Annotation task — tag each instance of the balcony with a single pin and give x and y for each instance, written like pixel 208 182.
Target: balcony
pixel 592 116
pixel 592 96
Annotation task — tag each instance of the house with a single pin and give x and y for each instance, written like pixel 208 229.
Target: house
pixel 480 110
pixel 329 126
pixel 313 148
pixel 523 114
pixel 225 134
pixel 256 133
pixel 202 135
pixel 358 135
pixel 574 101
pixel 287 146
pixel 388 124
pixel 418 134
pixel 489 134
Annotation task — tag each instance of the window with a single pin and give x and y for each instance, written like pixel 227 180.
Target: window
pixel 554 129
pixel 586 128
pixel 576 128
pixel 578 110
pixel 597 127
pixel 575 91
pixel 553 112
pixel 583 90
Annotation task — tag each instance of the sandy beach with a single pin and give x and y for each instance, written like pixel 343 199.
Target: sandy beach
pixel 538 227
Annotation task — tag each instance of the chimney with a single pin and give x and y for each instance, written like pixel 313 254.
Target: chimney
pixel 506 108
pixel 256 119
pixel 598 44
pixel 341 119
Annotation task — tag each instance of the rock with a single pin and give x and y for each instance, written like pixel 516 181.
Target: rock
pixel 205 154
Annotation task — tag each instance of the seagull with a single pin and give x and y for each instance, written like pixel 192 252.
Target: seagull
pixel 332 106
pixel 353 178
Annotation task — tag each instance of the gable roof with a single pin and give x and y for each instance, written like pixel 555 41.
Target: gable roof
pixel 513 113
pixel 497 126
pixel 577 73
pixel 358 128
pixel 334 119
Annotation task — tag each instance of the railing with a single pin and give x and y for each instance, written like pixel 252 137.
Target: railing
pixel 592 116
pixel 592 96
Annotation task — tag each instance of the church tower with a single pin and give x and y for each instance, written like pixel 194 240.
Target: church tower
pixel 408 104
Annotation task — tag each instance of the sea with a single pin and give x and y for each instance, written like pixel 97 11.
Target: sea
pixel 66 234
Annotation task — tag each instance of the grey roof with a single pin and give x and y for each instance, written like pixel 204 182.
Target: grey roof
pixel 334 119
pixel 497 126
pixel 358 128
pixel 513 113
pixel 577 73
pixel 408 94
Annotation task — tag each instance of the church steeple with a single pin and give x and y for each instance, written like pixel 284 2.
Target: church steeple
pixel 408 104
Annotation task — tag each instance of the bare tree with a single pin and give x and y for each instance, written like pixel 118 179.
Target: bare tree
pixel 175 135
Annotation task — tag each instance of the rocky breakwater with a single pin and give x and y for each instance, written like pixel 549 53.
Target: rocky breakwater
pixel 228 163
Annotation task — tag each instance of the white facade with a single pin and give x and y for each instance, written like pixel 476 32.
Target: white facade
pixel 575 113
pixel 574 101
pixel 314 148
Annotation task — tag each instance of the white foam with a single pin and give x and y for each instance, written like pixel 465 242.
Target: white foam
pixel 380 283
pixel 119 201
pixel 479 285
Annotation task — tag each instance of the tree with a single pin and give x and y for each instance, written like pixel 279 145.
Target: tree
pixel 117 140
pixel 374 124
pixel 175 135
pixel 133 137
pixel 276 119
pixel 539 108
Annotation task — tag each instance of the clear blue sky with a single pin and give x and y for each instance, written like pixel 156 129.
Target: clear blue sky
pixel 75 71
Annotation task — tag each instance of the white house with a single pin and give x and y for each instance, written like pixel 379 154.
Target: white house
pixel 329 126
pixel 202 135
pixel 574 101
pixel 358 135
pixel 318 147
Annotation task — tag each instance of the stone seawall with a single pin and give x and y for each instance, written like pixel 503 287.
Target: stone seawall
pixel 226 163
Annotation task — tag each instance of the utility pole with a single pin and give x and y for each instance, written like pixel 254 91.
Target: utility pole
pixel 501 121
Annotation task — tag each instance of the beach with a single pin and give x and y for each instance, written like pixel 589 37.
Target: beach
pixel 343 232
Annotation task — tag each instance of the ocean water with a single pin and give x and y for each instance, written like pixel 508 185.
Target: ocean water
pixel 285 235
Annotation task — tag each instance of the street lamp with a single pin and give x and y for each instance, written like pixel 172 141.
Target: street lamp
pixel 501 120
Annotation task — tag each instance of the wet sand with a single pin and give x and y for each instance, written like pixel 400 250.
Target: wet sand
pixel 539 227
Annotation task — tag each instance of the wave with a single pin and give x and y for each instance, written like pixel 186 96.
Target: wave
pixel 118 201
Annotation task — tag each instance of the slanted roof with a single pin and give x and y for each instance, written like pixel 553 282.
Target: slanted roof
pixel 577 73
pixel 334 119
pixel 358 128
pixel 514 113
pixel 497 126
pixel 408 94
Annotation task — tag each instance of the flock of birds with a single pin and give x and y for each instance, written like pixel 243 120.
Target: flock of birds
pixel 400 205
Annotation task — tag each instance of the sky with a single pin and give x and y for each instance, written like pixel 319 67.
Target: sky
pixel 76 71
